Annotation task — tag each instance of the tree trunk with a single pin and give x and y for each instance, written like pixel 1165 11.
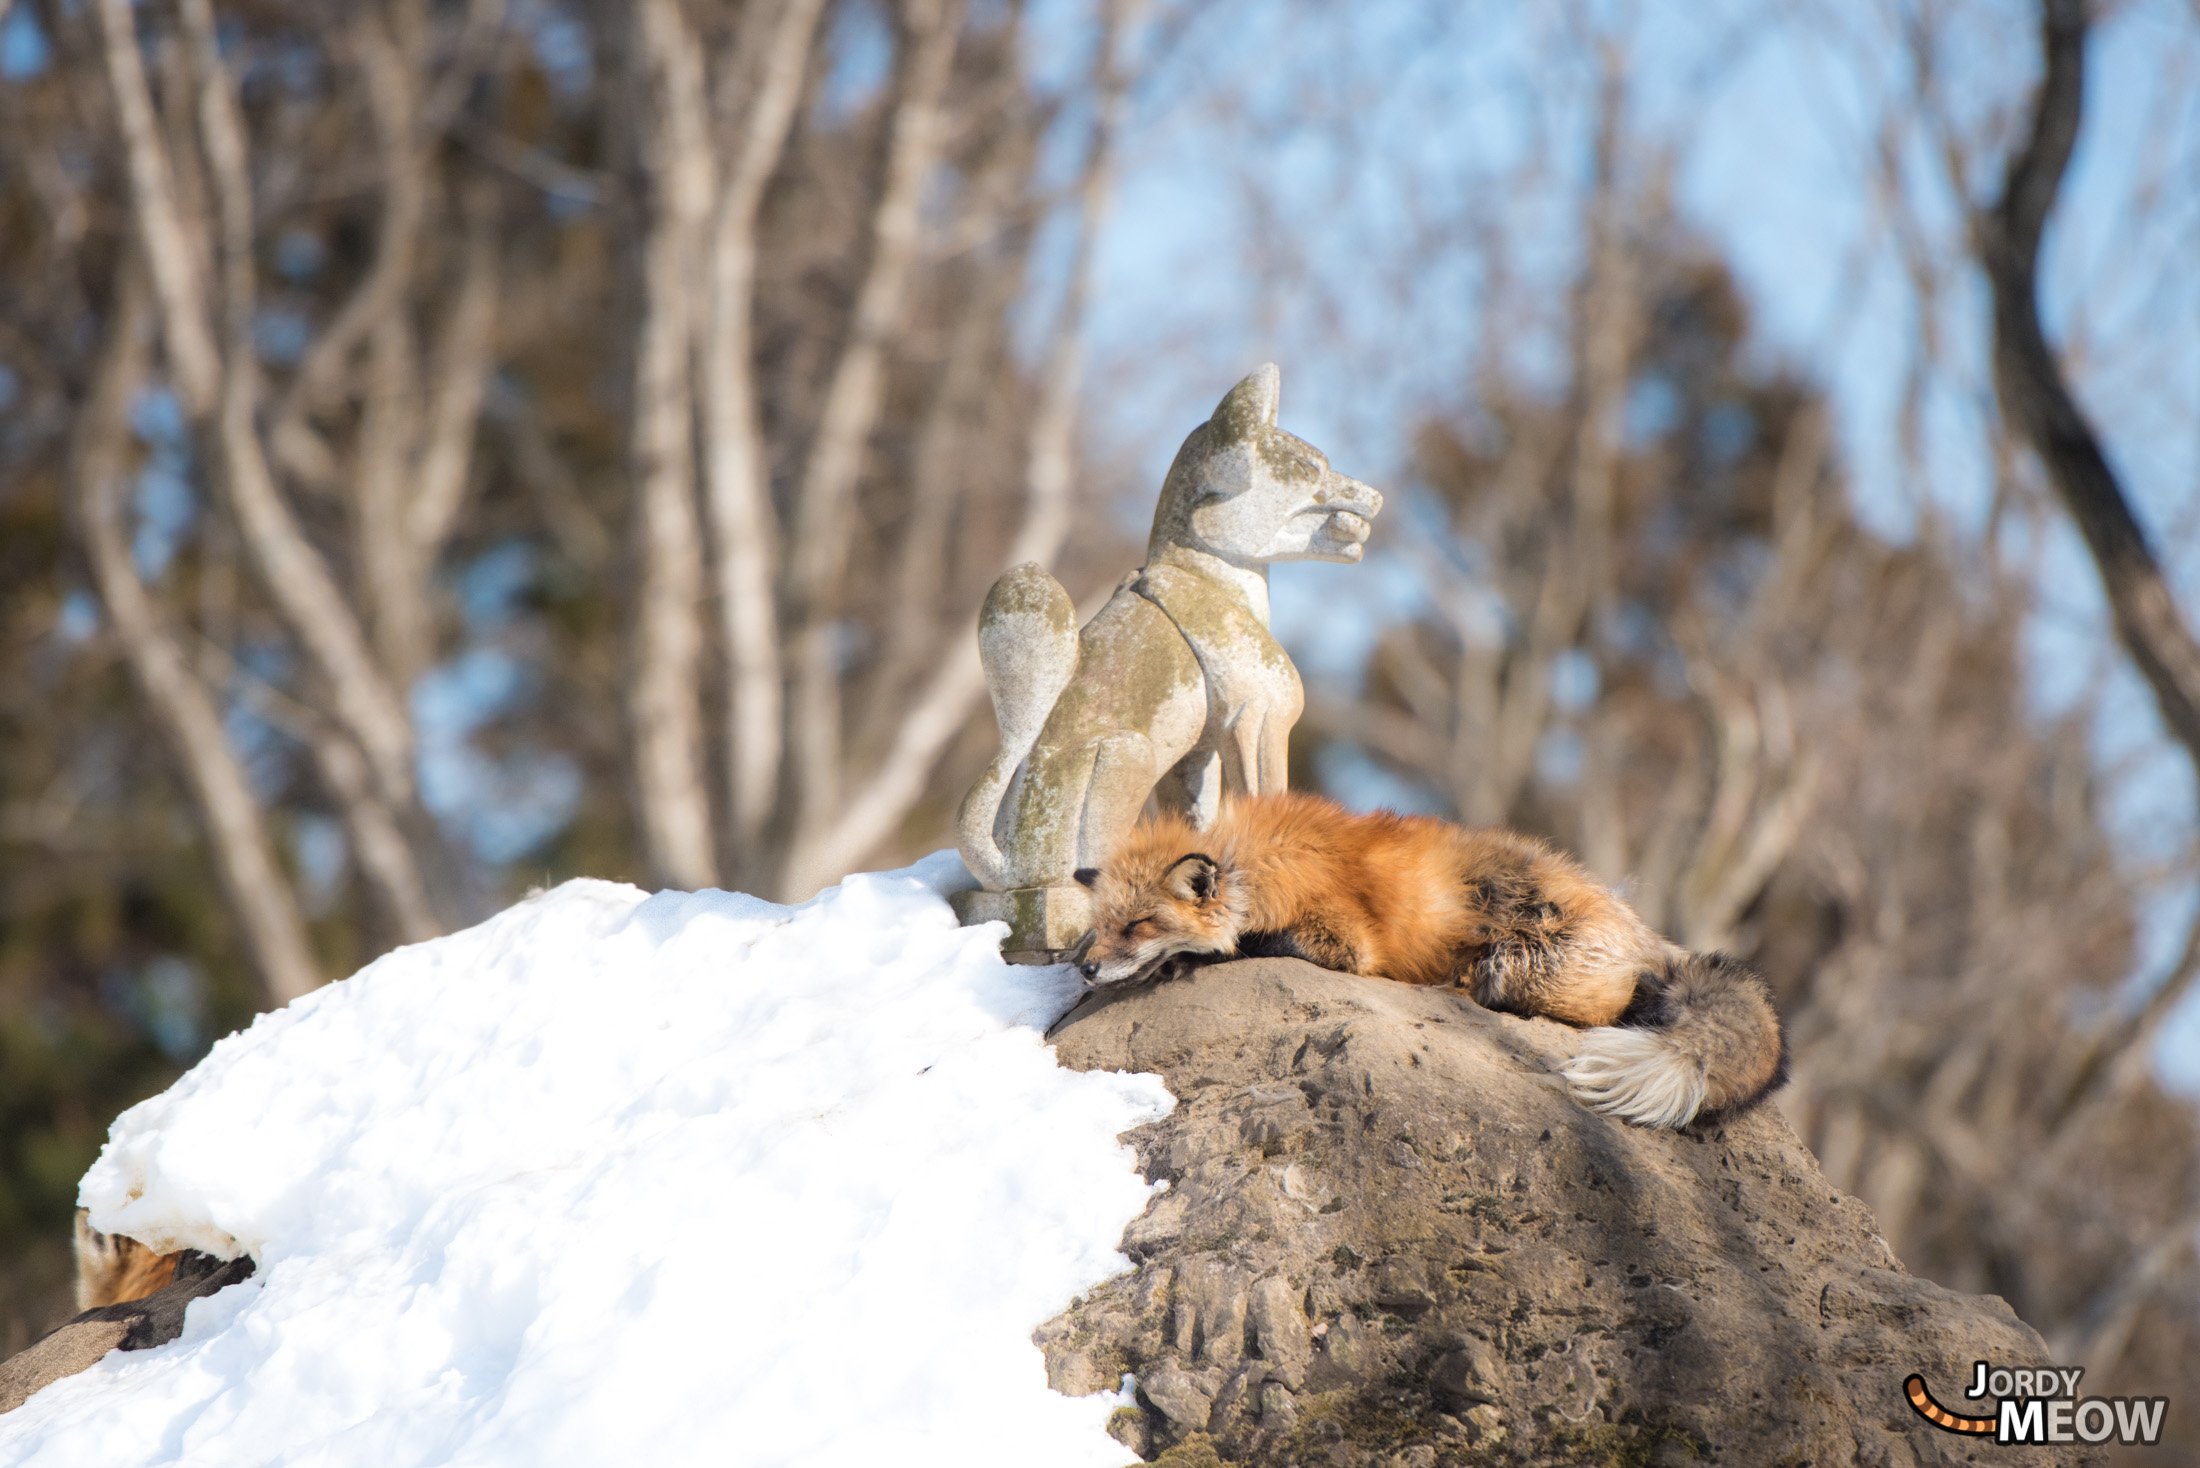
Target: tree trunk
pixel 663 701
pixel 258 892
pixel 744 529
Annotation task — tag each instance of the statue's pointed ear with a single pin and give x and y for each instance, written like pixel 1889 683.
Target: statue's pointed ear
pixel 1251 405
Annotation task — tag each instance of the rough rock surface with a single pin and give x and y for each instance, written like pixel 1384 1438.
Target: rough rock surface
pixel 1390 1237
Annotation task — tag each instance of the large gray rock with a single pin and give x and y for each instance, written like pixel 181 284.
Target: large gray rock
pixel 1391 1238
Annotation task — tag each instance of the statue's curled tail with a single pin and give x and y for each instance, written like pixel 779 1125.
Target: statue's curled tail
pixel 1027 642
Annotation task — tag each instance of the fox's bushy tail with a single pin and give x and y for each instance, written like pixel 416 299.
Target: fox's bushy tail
pixel 1700 1039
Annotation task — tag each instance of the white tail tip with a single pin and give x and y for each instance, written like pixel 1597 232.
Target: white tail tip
pixel 1636 1076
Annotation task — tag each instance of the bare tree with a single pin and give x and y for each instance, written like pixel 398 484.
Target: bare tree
pixel 2038 405
pixel 942 702
pixel 604 391
pixel 187 711
pixel 367 235
pixel 407 463
pixel 668 735
pixel 824 505
pixel 763 85
pixel 1930 930
pixel 825 754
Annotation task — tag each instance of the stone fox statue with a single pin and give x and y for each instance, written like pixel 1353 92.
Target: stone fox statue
pixel 1671 1035
pixel 1175 688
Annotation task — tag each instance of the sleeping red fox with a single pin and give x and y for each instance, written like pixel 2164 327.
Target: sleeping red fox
pixel 1672 1035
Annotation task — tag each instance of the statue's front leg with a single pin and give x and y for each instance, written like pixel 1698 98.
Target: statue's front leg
pixel 1275 750
pixel 1247 748
pixel 1257 748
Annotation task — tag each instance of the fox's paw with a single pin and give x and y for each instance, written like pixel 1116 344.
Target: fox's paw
pixel 1635 1075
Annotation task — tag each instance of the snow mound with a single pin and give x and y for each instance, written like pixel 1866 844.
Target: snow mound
pixel 614 1178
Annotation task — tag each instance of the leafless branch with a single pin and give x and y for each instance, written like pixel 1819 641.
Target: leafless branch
pixel 291 568
pixel 385 857
pixel 381 483
pixel 1048 474
pixel 476 41
pixel 2100 1338
pixel 938 474
pixel 257 889
pixel 172 254
pixel 744 529
pixel 454 406
pixel 389 101
pixel 531 165
pixel 579 532
pixel 2037 402
pixel 825 502
pixel 947 697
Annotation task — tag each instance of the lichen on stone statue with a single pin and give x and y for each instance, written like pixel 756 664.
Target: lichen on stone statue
pixel 1174 690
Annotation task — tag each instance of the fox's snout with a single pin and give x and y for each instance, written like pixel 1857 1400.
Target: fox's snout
pixel 1103 963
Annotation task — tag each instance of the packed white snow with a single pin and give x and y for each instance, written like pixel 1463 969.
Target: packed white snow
pixel 620 1179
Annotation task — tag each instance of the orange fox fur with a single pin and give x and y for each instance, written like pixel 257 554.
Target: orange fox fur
pixel 1672 1034
pixel 111 1269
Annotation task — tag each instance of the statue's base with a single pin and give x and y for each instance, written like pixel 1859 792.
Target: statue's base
pixel 1044 923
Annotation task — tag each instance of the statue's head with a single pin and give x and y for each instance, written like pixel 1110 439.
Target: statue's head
pixel 1245 490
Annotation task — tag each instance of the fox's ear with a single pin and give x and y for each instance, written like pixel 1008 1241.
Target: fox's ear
pixel 1251 405
pixel 1195 877
pixel 1086 876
